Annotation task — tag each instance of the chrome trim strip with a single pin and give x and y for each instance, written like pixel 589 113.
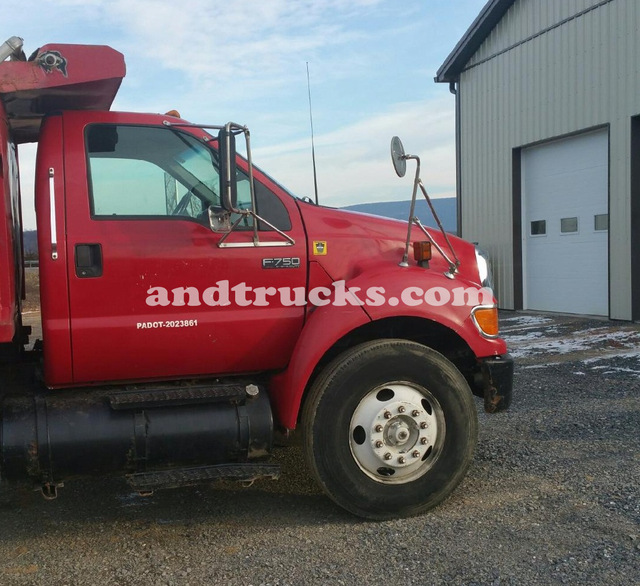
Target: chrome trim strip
pixel 256 240
pixel 52 215
pixel 252 244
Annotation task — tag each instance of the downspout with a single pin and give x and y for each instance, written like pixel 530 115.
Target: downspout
pixel 455 91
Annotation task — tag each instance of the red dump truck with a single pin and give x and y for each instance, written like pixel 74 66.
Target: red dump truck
pixel 194 312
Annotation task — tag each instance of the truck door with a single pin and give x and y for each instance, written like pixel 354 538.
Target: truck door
pixel 151 292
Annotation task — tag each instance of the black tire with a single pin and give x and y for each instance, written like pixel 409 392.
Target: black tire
pixel 342 424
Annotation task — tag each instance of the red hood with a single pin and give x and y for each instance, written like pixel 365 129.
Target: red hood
pixel 356 242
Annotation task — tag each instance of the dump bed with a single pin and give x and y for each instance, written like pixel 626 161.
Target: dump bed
pixel 10 235
pixel 56 77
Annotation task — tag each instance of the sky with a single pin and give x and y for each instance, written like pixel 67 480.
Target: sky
pixel 371 69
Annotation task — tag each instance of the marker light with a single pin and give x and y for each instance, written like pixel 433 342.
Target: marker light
pixel 422 251
pixel 173 113
pixel 486 320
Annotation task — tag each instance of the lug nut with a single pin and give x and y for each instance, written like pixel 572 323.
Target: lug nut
pixel 387 415
pixel 379 444
pixel 401 460
pixel 415 413
pixel 423 441
pixel 388 456
pixel 401 409
pixel 423 425
pixel 416 454
pixel 378 428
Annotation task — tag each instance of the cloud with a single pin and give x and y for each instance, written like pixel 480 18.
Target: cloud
pixel 212 41
pixel 244 60
pixel 354 164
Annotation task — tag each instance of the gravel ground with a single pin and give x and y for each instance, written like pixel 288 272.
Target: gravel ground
pixel 552 497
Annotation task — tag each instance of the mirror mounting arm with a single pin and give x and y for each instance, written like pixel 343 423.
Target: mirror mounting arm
pixel 254 212
pixel 453 267
pixel 405 256
pixel 399 159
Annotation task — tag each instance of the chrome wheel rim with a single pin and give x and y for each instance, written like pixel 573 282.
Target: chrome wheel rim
pixel 396 432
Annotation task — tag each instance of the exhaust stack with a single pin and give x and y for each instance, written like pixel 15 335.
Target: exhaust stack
pixel 11 48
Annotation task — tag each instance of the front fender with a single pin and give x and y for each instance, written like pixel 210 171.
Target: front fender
pixel 324 327
pixel 455 314
pixel 328 324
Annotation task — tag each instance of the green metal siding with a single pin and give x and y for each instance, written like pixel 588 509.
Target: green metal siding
pixel 580 75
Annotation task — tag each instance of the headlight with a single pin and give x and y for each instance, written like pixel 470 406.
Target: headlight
pixel 484 269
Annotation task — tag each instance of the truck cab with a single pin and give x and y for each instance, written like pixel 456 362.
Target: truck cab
pixel 139 263
pixel 191 308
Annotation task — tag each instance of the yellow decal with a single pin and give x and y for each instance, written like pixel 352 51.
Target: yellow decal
pixel 319 247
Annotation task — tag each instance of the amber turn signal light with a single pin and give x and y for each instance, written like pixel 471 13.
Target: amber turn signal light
pixel 486 320
pixel 422 251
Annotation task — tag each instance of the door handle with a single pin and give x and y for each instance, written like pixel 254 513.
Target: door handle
pixel 88 260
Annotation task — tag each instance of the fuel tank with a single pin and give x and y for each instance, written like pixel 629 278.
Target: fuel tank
pixel 47 438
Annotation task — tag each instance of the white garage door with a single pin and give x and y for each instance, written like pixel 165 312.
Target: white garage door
pixel 565 187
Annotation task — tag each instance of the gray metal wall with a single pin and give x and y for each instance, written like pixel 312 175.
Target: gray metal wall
pixel 576 76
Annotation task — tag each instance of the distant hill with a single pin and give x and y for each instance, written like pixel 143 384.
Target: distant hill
pixel 30 239
pixel 399 210
pixel 445 207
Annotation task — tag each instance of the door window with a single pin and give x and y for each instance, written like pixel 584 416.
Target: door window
pixel 150 172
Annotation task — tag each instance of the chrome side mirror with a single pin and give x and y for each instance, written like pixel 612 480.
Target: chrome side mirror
pixel 219 221
pixel 228 182
pixel 398 157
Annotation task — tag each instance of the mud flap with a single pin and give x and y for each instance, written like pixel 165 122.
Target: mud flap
pixel 497 381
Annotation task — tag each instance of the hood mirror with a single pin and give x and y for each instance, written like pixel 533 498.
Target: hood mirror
pixel 398 157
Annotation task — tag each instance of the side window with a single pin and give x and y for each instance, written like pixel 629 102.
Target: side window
pixel 154 172
pixel 114 181
pixel 143 171
pixel 268 206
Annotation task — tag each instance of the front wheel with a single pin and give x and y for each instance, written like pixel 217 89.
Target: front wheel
pixel 390 428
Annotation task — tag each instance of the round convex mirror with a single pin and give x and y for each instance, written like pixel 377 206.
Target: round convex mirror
pixel 397 157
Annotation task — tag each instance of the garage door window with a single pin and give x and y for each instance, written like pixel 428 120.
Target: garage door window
pixel 601 222
pixel 538 228
pixel 568 225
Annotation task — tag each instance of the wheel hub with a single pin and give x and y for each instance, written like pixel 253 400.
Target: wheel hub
pixel 400 435
pixel 396 432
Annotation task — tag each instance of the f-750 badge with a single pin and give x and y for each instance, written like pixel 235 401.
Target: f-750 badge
pixel 292 262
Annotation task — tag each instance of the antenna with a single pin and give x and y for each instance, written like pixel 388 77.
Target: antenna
pixel 313 148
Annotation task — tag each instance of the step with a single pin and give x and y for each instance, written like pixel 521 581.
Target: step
pixel 162 396
pixel 249 472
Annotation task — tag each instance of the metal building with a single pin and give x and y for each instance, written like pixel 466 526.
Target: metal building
pixel 548 151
